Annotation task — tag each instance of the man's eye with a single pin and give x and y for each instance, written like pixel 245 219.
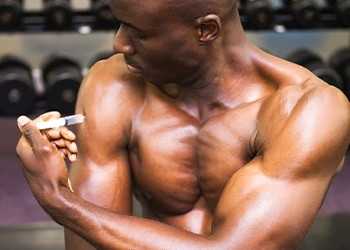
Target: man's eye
pixel 142 38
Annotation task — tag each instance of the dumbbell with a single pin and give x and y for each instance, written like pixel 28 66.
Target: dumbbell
pixel 17 95
pixel 306 13
pixel 340 61
pixel 62 78
pixel 11 14
pixel 259 13
pixel 100 56
pixel 342 9
pixel 103 13
pixel 316 65
pixel 58 14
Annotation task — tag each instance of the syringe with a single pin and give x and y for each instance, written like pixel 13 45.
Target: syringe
pixel 63 121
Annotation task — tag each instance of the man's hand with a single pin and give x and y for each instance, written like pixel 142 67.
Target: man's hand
pixel 42 162
pixel 62 138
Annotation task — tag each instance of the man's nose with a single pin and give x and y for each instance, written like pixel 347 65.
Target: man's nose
pixel 122 43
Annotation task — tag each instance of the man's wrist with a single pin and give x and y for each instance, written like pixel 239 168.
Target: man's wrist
pixel 57 203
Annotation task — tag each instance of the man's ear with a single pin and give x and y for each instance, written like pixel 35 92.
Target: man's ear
pixel 208 27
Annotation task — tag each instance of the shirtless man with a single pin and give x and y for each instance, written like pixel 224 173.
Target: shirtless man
pixel 224 145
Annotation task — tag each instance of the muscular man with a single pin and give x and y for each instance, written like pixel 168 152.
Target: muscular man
pixel 224 145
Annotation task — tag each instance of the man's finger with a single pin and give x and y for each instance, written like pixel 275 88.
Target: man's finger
pixel 67 134
pixel 30 132
pixel 62 132
pixel 48 116
pixel 71 146
pixel 68 154
pixel 52 115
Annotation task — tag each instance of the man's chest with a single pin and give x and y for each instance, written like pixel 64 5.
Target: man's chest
pixel 176 159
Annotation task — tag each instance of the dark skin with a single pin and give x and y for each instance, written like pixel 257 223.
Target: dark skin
pixel 225 146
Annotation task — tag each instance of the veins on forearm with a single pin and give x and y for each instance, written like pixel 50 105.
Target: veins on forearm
pixel 107 229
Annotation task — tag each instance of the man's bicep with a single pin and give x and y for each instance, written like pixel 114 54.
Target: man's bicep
pixel 272 201
pixel 108 186
pixel 104 180
pixel 101 174
pixel 312 136
pixel 258 211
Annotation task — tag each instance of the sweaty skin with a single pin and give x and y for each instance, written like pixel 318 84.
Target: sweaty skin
pixel 224 145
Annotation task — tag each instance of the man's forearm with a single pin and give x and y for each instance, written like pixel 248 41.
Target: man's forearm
pixel 106 229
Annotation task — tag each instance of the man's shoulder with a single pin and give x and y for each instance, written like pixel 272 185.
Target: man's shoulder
pixel 108 82
pixel 312 107
pixel 110 96
pixel 303 130
pixel 312 94
pixel 113 72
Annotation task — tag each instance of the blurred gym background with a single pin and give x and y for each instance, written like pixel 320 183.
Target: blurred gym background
pixel 46 47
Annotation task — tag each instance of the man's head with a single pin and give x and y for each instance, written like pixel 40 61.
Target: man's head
pixel 167 40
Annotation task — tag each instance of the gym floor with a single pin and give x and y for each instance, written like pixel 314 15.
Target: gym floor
pixel 327 233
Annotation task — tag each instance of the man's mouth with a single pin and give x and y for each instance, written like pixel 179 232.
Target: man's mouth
pixel 131 68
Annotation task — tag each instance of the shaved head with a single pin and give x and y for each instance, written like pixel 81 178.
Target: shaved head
pixel 191 9
pixel 185 9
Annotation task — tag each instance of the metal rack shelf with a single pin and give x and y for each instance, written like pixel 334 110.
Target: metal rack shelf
pixel 86 22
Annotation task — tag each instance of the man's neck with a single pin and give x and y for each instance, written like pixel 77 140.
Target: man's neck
pixel 227 81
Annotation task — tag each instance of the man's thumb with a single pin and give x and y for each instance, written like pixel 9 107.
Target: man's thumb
pixel 29 131
pixel 23 123
pixel 22 120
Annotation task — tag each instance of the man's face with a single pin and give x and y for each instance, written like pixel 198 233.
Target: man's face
pixel 155 43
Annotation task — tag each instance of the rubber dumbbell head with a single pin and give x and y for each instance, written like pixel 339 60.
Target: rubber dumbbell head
pixel 305 12
pixel 62 77
pixel 304 57
pixel 340 61
pixel 259 13
pixel 11 14
pixel 58 14
pixel 17 95
pixel 103 13
pixel 343 11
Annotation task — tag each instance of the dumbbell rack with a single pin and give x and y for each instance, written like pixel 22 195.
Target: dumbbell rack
pixel 34 21
pixel 85 22
pixel 328 20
